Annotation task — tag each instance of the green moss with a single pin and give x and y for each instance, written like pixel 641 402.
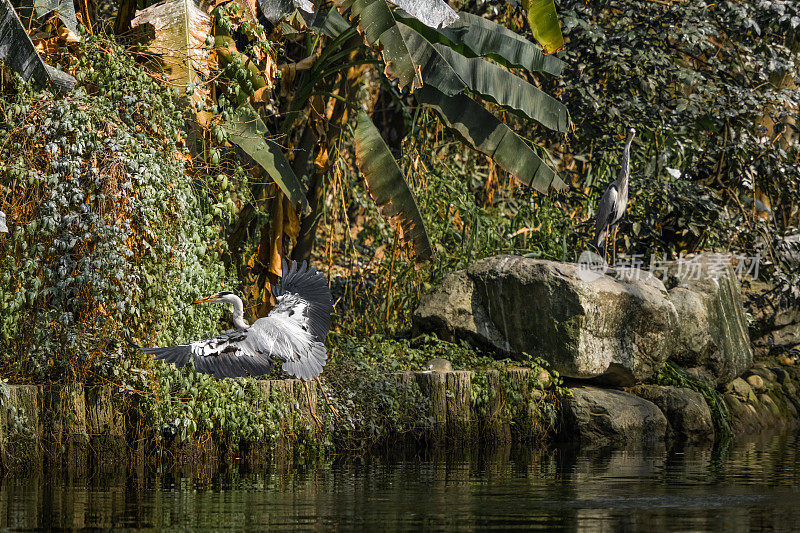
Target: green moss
pixel 673 375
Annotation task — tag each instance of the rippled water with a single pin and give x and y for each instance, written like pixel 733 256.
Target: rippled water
pixel 750 486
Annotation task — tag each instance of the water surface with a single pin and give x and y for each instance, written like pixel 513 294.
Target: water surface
pixel 749 486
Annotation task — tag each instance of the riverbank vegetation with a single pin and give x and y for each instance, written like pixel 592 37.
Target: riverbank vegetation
pixel 161 177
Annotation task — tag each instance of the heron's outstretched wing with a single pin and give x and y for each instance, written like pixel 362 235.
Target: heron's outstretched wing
pixel 301 319
pixel 252 351
pixel 232 354
pixel 605 214
pixel 303 289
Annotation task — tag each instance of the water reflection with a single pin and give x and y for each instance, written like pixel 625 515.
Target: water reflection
pixel 750 486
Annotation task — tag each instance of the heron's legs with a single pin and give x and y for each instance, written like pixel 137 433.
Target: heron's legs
pixel 311 409
pixel 327 400
pixel 614 245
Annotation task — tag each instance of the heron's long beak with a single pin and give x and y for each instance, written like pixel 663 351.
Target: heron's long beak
pixel 211 298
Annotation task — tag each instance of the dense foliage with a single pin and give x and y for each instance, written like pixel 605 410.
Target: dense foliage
pixel 710 87
pixel 136 193
pixel 106 229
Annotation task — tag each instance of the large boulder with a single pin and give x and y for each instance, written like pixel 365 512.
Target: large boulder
pixel 617 331
pixel 712 333
pixel 688 416
pixel 605 417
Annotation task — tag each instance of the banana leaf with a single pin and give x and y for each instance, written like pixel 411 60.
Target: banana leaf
pixel 544 24
pixel 488 135
pixel 329 22
pixel 451 73
pixel 247 131
pixel 377 24
pixel 64 8
pixel 18 52
pixel 473 36
pixel 388 188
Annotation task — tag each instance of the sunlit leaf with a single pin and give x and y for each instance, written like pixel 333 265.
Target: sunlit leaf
pixel 180 28
pixel 388 187
pixel 246 130
pixel 433 13
pixel 544 24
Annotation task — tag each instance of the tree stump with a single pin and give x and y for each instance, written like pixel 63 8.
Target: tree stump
pixel 496 425
pixel 62 412
pixel 21 430
pixel 524 417
pixel 105 424
pixel 458 390
pixel 432 385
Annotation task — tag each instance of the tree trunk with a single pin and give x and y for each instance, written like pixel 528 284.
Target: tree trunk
pixel 309 221
pixel 126 13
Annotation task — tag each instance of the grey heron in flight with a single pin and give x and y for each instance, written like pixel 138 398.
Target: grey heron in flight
pixel 614 200
pixel 292 334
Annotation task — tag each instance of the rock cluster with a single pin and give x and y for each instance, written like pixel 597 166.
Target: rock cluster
pixel 617 330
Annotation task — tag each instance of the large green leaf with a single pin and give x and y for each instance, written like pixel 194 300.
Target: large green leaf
pixel 544 24
pixel 485 133
pixel 472 36
pixel 246 130
pixel 388 188
pixel 180 28
pixel 18 52
pixel 64 8
pixel 376 22
pixel 451 73
pixel 328 22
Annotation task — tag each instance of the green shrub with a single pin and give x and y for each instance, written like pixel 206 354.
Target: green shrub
pixel 105 227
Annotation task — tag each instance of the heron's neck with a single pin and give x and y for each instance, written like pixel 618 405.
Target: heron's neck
pixel 238 313
pixel 625 170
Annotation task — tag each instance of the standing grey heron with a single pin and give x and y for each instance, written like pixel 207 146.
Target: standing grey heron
pixel 614 200
pixel 293 333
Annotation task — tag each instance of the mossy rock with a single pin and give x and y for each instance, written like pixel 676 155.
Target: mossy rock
pixel 617 331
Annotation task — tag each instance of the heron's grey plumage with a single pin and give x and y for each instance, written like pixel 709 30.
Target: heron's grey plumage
pixel 3 227
pixel 615 198
pixel 293 333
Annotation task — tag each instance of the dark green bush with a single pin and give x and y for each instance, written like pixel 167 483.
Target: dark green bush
pixel 709 87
